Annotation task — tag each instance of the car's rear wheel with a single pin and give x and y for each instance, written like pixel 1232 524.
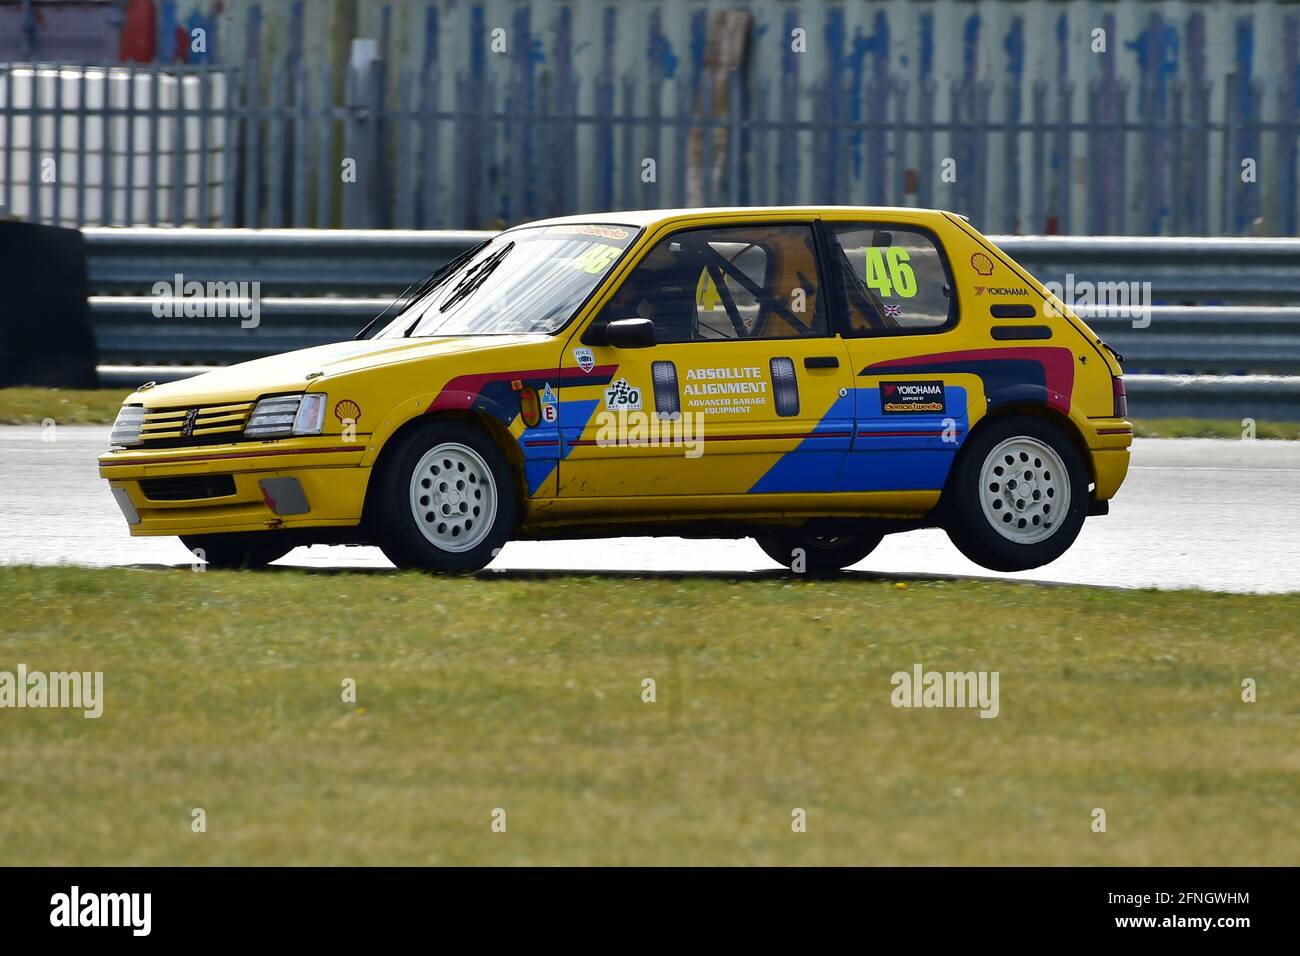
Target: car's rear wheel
pixel 818 553
pixel 1018 496
pixel 255 549
pixel 444 500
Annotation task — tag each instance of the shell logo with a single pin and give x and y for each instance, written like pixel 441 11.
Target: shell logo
pixel 982 264
pixel 347 409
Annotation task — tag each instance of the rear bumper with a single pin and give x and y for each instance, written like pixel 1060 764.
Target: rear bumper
pixel 1109 446
pixel 1111 467
pixel 301 484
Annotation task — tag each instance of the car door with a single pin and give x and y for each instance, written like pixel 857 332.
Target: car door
pixel 744 391
pixel 912 389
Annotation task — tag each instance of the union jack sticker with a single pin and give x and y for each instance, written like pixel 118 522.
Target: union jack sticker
pixel 893 311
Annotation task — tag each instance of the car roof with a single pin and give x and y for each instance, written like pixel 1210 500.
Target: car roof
pixel 650 217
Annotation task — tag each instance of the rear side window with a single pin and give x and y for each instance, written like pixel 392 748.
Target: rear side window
pixel 892 281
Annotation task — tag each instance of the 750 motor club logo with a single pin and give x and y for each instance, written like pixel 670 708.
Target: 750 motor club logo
pixel 621 396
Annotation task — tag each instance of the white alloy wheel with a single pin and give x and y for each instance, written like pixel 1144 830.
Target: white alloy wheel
pixel 453 497
pixel 1024 490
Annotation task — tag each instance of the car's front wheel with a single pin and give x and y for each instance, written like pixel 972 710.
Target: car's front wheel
pixel 818 553
pixel 1018 497
pixel 238 551
pixel 444 499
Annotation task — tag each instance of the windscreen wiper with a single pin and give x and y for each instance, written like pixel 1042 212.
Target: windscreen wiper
pixel 472 280
pixel 424 287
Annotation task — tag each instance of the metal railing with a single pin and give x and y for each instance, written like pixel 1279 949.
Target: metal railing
pixel 1235 397
pixel 321 286
pixel 309 262
pixel 1222 340
pixel 288 262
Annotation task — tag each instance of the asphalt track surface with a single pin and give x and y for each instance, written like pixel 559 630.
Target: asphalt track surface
pixel 1218 515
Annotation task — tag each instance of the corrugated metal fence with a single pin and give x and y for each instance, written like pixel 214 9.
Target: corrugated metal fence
pixel 1007 112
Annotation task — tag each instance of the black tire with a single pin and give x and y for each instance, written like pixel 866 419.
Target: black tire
pixel 392 501
pixel 785 386
pixel 254 549
pixel 821 553
pixel 969 525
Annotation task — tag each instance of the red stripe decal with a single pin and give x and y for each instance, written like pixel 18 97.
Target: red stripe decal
pixel 579 442
pixel 934 433
pixel 460 392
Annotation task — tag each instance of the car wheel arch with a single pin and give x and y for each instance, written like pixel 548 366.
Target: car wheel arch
pixel 1059 420
pixel 487 424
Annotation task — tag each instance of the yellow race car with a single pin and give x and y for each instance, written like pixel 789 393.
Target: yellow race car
pixel 814 378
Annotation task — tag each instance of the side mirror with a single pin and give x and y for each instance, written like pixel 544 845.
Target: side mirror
pixel 630 333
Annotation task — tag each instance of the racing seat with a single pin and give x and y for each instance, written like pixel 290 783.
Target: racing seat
pixel 785 278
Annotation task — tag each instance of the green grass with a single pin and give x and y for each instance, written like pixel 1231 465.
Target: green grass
pixel 67 406
pixel 31 406
pixel 223 692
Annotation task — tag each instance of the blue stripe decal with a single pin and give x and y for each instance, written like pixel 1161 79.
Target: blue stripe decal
pixel 540 460
pixel 814 464
pixel 888 456
pixel 536 471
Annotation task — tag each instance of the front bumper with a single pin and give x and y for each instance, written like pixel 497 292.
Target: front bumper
pixel 296 483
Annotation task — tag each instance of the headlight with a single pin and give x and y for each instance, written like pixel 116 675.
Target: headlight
pixel 286 415
pixel 126 427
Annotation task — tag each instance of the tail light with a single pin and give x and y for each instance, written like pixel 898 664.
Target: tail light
pixel 1121 397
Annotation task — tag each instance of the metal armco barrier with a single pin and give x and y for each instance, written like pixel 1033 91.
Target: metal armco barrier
pixel 1200 339
pixel 380 262
pixel 1259 397
pixel 1229 306
pixel 1182 271
pixel 1179 340
pixel 127 332
pixel 289 262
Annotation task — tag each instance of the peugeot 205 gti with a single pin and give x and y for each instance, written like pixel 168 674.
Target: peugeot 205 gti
pixel 813 378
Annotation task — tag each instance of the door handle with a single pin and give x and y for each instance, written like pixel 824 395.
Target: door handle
pixel 821 361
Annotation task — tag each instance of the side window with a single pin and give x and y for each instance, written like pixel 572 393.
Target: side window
pixel 893 281
pixel 742 282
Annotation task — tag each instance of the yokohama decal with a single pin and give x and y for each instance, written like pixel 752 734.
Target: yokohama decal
pixel 1008 374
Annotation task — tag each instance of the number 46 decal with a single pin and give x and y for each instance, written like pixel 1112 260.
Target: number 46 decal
pixel 888 273
pixel 596 259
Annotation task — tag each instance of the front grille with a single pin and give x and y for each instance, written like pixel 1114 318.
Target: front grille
pixel 194 425
pixel 188 487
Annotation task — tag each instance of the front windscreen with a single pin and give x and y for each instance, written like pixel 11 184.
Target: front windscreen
pixel 527 280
